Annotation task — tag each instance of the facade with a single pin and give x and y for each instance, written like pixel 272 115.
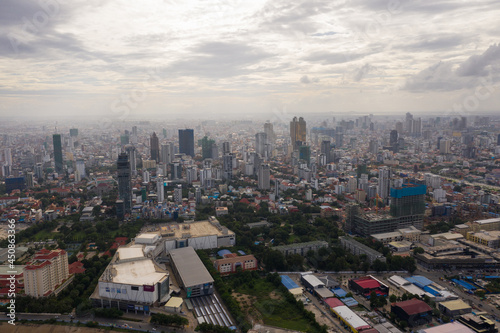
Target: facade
pixel 487 238
pixel 415 312
pixel 233 264
pixel 408 200
pixel 124 182
pixel 186 142
pixel 358 248
pixel 58 157
pixel 190 272
pixel 479 324
pixel 46 272
pixel 372 223
pixel 300 248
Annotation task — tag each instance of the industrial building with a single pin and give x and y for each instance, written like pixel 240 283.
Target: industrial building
pixel 358 248
pixel 366 285
pixel 454 327
pixel 131 282
pixel 300 248
pixel 351 320
pixel 208 234
pixel 453 255
pixel 479 324
pixel 454 308
pixel 292 287
pixel 415 312
pixel 190 272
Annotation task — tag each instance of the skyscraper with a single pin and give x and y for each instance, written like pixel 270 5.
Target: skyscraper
pixel 132 156
pixel 264 177
pixel 227 166
pixel 297 131
pixel 155 147
pixel 124 183
pixel 384 182
pixel 268 129
pixel 160 189
pixel 260 143
pixel 206 147
pixel 226 148
pixel 80 166
pixel 186 142
pixel 58 158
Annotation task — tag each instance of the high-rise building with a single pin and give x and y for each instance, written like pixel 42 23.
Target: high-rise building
pixel 226 148
pixel 186 142
pixel 167 153
pixel 206 147
pixel 132 156
pixel 58 157
pixel 445 146
pixel 124 182
pixel 30 182
pixel 178 194
pixel 408 200
pixel 305 153
pixel 260 143
pixel 80 166
pixel 384 182
pixel 191 174
pixel 73 132
pixel 160 189
pixel 39 171
pixel 227 166
pixel 277 184
pixel 297 131
pixel 393 138
pixel 47 270
pixel 268 129
pixel 155 147
pixel 264 177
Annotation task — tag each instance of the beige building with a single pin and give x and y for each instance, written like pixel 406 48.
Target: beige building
pixel 46 272
pixel 487 238
pixel 488 224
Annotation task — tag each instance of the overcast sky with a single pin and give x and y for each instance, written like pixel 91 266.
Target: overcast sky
pixel 125 59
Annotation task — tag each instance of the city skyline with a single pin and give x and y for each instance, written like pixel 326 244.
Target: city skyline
pixel 123 61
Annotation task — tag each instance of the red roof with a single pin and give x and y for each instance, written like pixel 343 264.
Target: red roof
pixel 245 201
pixel 76 268
pixel 333 302
pixel 367 283
pixel 413 306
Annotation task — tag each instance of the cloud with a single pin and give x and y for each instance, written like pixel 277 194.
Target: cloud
pixel 219 59
pixel 477 65
pixel 321 34
pixel 363 72
pixel 306 80
pixel 332 58
pixel 447 76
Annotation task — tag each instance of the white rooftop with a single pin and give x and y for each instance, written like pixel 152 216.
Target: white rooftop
pixel 137 272
pixel 131 252
pixel 148 236
pixel 454 327
pixel 398 280
pixel 352 318
pixel 493 220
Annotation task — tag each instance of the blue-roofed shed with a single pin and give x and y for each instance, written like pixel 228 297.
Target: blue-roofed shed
pixel 350 302
pixel 242 253
pixel 339 292
pixel 431 291
pixel 464 284
pixel 288 282
pixel 221 253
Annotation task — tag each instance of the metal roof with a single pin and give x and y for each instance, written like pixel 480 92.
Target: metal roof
pixel 191 269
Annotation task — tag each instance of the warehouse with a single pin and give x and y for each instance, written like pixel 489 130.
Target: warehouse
pixel 191 272
pixel 415 312
pixel 454 308
pixel 310 281
pixel 454 327
pixel 350 319
pixel 365 285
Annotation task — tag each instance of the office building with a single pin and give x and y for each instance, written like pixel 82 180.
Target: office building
pixel 167 153
pixel 260 143
pixel 268 129
pixel 445 146
pixel 155 147
pixel 227 166
pixel 46 272
pixel 264 177
pixel 30 181
pixel 80 166
pixel 305 153
pixel 132 157
pixel 207 147
pixel 160 189
pixel 58 157
pixel 297 132
pixel 186 142
pixel 384 183
pixel 124 182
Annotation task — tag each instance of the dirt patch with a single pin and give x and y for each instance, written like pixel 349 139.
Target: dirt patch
pixel 30 328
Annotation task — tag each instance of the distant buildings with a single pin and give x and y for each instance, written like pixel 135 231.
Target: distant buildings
pixel 358 248
pixel 124 182
pixel 300 248
pixel 155 147
pixel 46 272
pixel 297 132
pixel 264 177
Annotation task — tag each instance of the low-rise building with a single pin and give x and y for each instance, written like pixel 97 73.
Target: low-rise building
pixel 415 312
pixel 479 324
pixel 300 248
pixel 454 308
pixel 234 264
pixel 358 248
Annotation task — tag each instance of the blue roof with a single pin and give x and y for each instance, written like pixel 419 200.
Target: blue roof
pixel 431 291
pixel 464 284
pixel 288 282
pixel 420 280
pixel 492 277
pixel 408 189
pixel 349 301
pixel 242 253
pixel 339 292
pixel 221 253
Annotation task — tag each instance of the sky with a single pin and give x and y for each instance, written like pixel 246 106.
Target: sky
pixel 119 60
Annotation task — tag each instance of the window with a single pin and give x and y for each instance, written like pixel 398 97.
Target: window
pixel 124 291
pixel 107 289
pixel 119 291
pixel 135 288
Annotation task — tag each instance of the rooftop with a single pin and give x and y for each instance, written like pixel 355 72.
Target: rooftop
pixel 190 267
pixel 413 306
pixel 194 229
pixel 134 272
pixel 454 327
pixel 455 305
pixel 487 221
pixel 134 251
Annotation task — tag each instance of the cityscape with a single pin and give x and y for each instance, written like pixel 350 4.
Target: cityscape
pixel 259 167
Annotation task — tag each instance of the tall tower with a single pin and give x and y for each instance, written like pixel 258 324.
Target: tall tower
pixel 227 166
pixel 264 177
pixel 160 189
pixel 124 183
pixel 297 131
pixel 155 147
pixel 260 143
pixel 268 129
pixel 58 158
pixel 384 182
pixel 186 142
